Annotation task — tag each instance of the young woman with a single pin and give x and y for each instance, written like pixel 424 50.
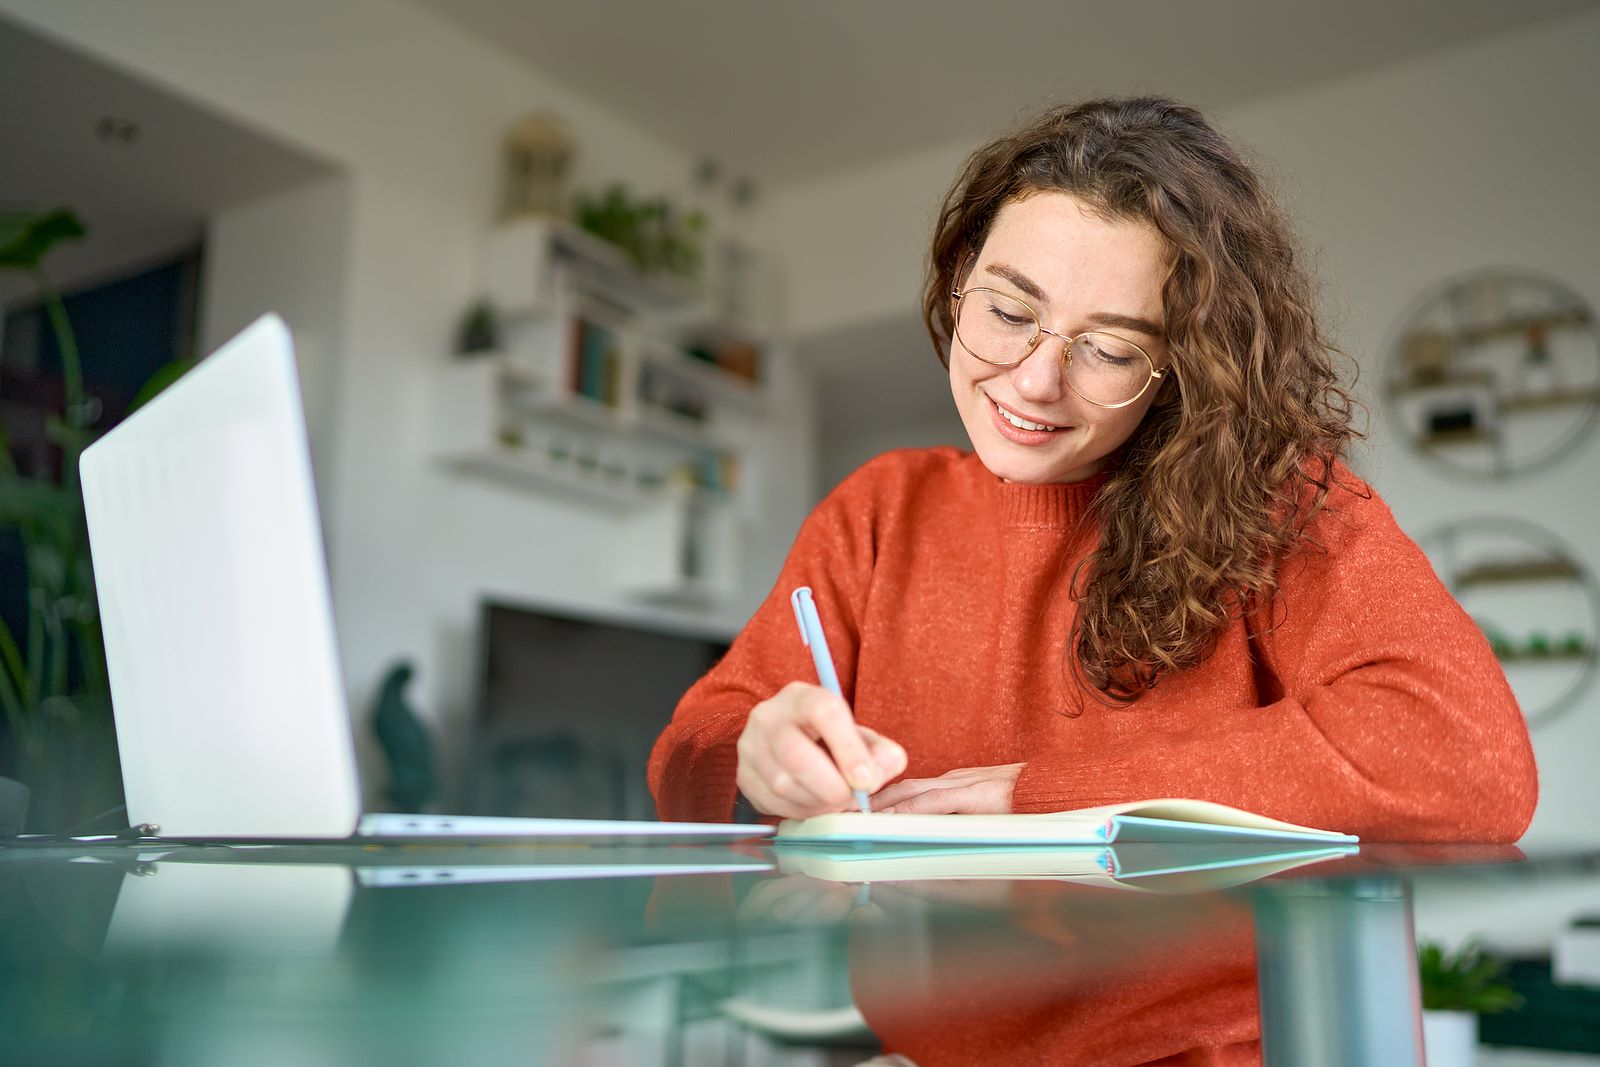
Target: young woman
pixel 1152 577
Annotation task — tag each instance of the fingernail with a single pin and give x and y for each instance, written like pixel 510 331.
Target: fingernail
pixel 861 777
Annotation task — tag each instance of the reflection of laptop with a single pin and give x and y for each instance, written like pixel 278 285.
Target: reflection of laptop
pixel 458 863
pixel 225 683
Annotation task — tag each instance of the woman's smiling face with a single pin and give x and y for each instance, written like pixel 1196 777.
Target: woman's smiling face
pixel 1078 272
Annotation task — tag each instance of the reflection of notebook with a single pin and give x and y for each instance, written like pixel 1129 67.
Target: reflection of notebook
pixel 1167 820
pixel 1149 867
pixel 225 682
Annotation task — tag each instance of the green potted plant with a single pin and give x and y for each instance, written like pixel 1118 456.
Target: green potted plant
pixel 655 236
pixel 479 333
pixel 54 696
pixel 1457 987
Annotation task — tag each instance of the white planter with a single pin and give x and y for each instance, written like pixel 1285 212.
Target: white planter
pixel 1450 1038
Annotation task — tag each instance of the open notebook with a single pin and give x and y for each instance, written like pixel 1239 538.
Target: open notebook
pixel 1168 820
pixel 1149 867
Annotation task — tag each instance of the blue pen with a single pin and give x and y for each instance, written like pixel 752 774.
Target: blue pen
pixel 805 613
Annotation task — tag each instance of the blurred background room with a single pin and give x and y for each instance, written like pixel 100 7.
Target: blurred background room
pixel 593 302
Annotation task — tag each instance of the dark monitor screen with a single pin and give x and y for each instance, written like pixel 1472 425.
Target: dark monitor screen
pixel 568 708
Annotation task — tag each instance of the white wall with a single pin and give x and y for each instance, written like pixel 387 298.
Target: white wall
pixel 1479 157
pixel 1475 156
pixel 289 253
pixel 853 244
pixel 412 110
pixel 844 452
pixel 853 247
pixel 1472 157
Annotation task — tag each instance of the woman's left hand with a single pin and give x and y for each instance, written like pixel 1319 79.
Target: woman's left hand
pixel 967 791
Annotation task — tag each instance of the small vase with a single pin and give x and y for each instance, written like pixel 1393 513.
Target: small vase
pixel 1450 1038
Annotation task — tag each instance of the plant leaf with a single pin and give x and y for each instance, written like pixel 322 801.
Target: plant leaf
pixel 25 238
pixel 164 376
pixel 29 501
pixel 1470 979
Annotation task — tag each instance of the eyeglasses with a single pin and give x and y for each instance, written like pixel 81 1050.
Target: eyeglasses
pixel 1106 370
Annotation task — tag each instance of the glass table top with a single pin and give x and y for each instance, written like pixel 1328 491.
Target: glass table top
pixel 723 954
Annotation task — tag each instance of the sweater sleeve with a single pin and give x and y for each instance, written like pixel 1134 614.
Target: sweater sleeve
pixel 694 762
pixel 1394 720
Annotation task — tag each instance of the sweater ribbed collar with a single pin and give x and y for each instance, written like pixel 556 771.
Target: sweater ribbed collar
pixel 1055 506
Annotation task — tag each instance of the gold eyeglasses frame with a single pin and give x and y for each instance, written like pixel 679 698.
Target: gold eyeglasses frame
pixel 957 295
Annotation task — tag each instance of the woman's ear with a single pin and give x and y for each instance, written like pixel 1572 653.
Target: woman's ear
pixel 1169 388
pixel 1169 394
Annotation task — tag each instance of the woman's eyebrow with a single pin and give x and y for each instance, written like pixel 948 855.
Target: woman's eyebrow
pixel 1128 322
pixel 1018 279
pixel 1099 318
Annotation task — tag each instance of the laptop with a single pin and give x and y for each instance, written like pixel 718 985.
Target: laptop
pixel 226 688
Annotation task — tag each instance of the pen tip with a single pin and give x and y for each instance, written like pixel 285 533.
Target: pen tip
pixel 862 803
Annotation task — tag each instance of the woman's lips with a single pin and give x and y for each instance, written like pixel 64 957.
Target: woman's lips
pixel 1021 436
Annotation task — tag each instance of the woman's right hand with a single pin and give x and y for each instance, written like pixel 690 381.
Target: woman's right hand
pixel 802 752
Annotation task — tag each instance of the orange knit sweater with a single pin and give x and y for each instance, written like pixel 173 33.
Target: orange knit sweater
pixel 1374 707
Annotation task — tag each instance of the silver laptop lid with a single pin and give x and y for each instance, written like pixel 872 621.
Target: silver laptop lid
pixel 224 668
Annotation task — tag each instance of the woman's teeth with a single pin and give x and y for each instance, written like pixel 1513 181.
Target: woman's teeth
pixel 1022 424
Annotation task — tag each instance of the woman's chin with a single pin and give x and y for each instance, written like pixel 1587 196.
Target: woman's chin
pixel 1001 460
pixel 1011 468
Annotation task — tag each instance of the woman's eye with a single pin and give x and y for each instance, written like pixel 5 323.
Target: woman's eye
pixel 1007 317
pixel 1108 358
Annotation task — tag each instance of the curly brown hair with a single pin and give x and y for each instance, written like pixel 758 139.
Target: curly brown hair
pixel 1226 469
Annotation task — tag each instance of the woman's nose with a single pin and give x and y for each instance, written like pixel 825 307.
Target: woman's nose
pixel 1040 377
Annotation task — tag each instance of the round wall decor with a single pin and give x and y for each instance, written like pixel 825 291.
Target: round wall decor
pixel 1534 599
pixel 1496 373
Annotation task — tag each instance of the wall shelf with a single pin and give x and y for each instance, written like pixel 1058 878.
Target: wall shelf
pixel 597 399
pixel 670 427
pixel 1514 571
pixel 523 468
pixel 1455 381
pixel 1519 325
pixel 489 420
pixel 1555 398
pixel 1496 373
pixel 524 257
pixel 1535 599
pixel 673 361
pixel 1451 438
pixel 648 424
pixel 1555 657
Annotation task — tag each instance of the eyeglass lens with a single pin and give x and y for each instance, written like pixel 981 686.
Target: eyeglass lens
pixel 1102 367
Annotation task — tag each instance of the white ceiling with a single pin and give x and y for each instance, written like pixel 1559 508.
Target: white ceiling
pixel 778 91
pixel 788 91
pixel 140 201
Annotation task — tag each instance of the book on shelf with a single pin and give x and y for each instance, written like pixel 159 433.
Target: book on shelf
pixel 595 368
pixel 1156 868
pixel 1169 820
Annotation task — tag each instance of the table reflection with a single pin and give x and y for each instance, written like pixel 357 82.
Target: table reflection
pixel 494 955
